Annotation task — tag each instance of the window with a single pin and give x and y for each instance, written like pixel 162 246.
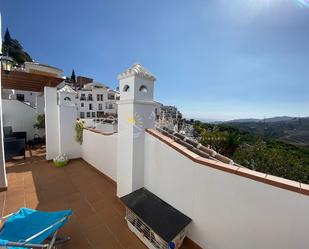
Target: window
pixel 90 97
pixel 100 114
pixel 109 106
pixel 110 96
pixel 126 88
pixel 67 99
pixel 82 115
pixel 90 106
pixel 82 96
pixel 99 97
pixel 20 97
pixel 100 107
pixel 93 114
pixel 82 105
pixel 143 89
pixel 88 114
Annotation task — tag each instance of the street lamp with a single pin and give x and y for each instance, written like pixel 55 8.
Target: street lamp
pixel 6 63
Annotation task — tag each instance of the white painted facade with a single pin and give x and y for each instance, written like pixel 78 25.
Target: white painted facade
pixel 27 97
pixel 95 101
pixel 42 69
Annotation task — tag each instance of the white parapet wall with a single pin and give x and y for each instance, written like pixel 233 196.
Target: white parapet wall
pixel 67 143
pixel 100 150
pixel 228 211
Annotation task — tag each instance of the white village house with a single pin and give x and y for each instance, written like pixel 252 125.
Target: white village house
pixel 96 100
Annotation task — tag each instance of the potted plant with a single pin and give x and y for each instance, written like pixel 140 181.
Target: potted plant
pixel 61 160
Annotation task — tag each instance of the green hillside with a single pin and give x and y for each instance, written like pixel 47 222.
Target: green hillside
pixel 276 148
pixel 294 131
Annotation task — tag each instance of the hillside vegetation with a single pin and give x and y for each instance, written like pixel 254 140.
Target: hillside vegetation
pixel 260 147
pixel 294 131
pixel 14 49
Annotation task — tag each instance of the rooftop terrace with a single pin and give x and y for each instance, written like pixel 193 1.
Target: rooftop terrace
pixel 98 220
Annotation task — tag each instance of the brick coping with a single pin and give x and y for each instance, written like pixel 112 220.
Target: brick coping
pixel 100 132
pixel 279 182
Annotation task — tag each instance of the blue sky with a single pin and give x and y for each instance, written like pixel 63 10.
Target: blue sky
pixel 214 59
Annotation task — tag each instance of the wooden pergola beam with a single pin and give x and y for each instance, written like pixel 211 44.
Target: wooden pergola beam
pixel 28 81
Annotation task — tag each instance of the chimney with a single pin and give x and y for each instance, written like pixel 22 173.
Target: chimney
pixel 135 114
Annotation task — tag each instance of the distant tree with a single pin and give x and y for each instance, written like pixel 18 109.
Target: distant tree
pixel 273 160
pixel 73 77
pixel 14 49
pixel 7 41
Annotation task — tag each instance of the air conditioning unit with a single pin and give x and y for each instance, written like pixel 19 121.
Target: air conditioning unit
pixel 157 224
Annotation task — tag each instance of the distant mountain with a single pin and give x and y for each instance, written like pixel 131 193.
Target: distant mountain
pixel 267 120
pixel 290 130
pixel 244 120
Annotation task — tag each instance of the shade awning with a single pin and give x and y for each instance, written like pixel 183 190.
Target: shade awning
pixel 162 218
pixel 28 81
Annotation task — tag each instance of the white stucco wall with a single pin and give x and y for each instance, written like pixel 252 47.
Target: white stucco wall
pixel 228 211
pixel 40 104
pixel 19 116
pixel 67 143
pixel 60 126
pixel 3 180
pixel 33 67
pixel 100 151
pixel 106 127
pixel 51 123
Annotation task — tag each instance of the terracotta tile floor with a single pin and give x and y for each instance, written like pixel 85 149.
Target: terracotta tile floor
pixel 98 220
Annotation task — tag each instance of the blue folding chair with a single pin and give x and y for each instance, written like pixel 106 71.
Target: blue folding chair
pixel 29 228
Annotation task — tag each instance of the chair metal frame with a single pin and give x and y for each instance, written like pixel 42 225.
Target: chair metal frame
pixel 54 240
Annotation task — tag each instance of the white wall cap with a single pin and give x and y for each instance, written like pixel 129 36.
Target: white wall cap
pixel 136 70
pixel 67 89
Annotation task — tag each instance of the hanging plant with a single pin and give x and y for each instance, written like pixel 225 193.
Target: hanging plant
pixel 79 127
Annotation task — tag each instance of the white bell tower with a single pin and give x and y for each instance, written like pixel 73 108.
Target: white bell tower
pixel 135 114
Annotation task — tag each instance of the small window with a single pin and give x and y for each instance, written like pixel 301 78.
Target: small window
pixel 143 89
pixel 82 104
pixel 88 114
pixel 126 88
pixel 67 99
pixel 20 97
pixel 82 115
pixel 93 114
